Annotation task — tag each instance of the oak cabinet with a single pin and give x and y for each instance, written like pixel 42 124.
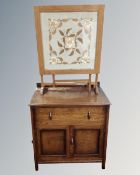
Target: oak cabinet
pixel 72 128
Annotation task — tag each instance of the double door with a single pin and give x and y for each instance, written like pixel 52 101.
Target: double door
pixel 69 142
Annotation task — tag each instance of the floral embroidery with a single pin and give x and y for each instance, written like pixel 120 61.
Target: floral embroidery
pixel 72 44
pixel 69 42
pixel 54 24
pixel 87 23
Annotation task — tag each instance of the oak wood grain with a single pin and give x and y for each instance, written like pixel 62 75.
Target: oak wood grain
pixel 69 96
pixel 70 116
pixel 69 125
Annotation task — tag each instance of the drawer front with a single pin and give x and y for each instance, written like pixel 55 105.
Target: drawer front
pixel 70 116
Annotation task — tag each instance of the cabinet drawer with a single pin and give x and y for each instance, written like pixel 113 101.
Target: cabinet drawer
pixel 46 116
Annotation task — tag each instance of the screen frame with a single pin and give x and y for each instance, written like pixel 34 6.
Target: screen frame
pixel 69 8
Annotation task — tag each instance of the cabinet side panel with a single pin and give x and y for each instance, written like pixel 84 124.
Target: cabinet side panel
pixel 105 136
pixel 34 136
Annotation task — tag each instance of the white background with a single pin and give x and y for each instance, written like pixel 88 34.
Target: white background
pixel 120 70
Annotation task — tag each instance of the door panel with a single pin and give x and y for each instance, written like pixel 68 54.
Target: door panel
pixel 87 141
pixel 53 142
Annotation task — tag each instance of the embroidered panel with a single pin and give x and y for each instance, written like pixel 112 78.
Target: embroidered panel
pixel 69 40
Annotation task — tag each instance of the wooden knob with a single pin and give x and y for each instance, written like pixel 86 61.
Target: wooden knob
pixel 50 115
pixel 88 115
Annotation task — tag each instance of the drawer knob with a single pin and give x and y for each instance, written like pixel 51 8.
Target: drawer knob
pixel 50 115
pixel 88 115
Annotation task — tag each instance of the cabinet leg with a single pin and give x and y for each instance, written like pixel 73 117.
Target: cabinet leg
pixel 36 166
pixel 103 164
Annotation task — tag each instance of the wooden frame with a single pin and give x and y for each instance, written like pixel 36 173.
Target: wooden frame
pixel 69 8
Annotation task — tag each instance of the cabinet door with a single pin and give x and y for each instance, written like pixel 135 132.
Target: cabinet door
pixel 52 141
pixel 87 141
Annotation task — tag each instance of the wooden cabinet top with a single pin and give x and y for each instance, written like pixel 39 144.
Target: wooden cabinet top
pixel 69 96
